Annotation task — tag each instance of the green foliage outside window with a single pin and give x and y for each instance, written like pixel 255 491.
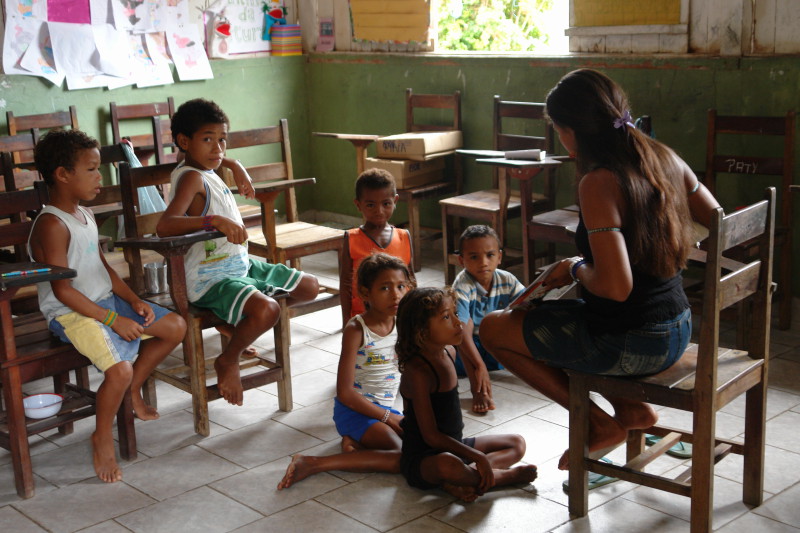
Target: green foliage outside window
pixel 492 25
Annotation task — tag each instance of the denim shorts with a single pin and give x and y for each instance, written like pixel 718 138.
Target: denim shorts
pixel 351 423
pixel 557 333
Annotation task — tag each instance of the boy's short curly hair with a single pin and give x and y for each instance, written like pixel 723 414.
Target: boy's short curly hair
pixel 476 232
pixel 371 266
pixel 60 148
pixel 193 114
pixel 374 179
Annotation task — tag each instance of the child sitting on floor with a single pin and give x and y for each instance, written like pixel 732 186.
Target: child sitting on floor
pixel 434 453
pixel 220 276
pixel 480 289
pixel 376 200
pixel 95 311
pixel 367 381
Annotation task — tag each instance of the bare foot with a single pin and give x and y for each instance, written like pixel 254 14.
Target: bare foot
pixel 105 460
pixel 521 474
pixel 227 331
pixel 141 409
pixel 297 471
pixel 250 353
pixel 229 382
pixel 482 403
pixel 349 445
pixel 635 415
pixel 465 494
pixel 601 439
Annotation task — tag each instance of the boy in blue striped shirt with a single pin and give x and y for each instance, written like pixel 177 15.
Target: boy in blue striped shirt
pixel 480 289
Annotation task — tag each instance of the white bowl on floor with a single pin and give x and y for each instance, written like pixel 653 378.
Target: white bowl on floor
pixel 42 405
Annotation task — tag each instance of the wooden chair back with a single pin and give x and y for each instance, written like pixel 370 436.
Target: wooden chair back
pixel 15 177
pixel 442 102
pixel 735 147
pixel 703 381
pixel 36 123
pixel 158 140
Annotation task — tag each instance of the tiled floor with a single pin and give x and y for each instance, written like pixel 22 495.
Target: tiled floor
pixel 226 482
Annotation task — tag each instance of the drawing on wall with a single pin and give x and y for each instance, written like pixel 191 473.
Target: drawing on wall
pixel 188 54
pixel 37 56
pixel 27 8
pixel 150 55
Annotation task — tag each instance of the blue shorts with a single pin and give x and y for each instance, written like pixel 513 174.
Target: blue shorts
pixel 557 333
pixel 98 342
pixel 488 360
pixel 351 423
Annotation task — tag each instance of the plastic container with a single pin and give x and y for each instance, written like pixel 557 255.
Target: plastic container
pixel 42 405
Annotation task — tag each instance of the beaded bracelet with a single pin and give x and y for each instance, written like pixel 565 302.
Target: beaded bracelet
pixel 573 271
pixel 385 416
pixel 207 226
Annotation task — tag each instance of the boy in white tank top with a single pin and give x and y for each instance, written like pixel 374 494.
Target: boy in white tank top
pixel 95 311
pixel 220 276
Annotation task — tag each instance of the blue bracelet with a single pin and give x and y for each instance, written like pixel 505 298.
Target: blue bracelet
pixel 573 272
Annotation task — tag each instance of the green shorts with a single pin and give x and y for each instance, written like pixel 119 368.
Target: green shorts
pixel 226 298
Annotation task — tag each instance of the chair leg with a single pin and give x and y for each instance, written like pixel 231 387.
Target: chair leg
pixel 193 343
pixel 149 392
pixel 447 246
pixel 578 450
pixel 59 387
pixel 754 442
pixel 702 492
pixel 17 432
pixel 281 332
pixel 413 228
pixel 125 429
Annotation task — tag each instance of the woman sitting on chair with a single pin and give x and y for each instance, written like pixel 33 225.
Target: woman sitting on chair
pixel 636 197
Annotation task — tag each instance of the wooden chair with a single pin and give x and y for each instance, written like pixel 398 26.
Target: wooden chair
pixel 191 376
pixel 30 352
pixel 34 124
pixel 294 239
pixel 703 381
pixel 14 177
pixel 158 140
pixel 729 143
pixel 496 205
pixel 416 104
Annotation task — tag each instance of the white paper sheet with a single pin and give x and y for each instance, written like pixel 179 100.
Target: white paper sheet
pixel 38 58
pixel 113 51
pixel 133 15
pixel 73 48
pixel 152 69
pixel 19 34
pixel 188 53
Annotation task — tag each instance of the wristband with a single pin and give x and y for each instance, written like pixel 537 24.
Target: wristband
pixel 385 416
pixel 573 270
pixel 207 223
pixel 111 316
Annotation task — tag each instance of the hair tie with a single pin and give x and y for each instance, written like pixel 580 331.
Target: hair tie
pixel 625 119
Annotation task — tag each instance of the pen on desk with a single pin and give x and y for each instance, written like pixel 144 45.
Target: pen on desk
pixel 25 272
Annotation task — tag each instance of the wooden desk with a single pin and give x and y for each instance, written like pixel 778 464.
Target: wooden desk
pixel 360 142
pixel 523 171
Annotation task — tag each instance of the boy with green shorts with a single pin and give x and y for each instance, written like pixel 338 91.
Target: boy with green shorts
pixel 220 276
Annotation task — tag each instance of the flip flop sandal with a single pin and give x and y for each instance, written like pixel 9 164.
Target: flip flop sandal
pixel 595 479
pixel 681 450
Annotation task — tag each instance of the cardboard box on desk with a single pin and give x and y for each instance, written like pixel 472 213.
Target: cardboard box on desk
pixel 409 173
pixel 420 146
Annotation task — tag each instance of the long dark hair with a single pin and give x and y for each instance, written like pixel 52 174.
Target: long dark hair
pixel 655 224
pixel 416 309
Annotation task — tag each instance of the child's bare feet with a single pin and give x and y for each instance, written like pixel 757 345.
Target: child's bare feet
pixel 349 444
pixel 229 381
pixel 297 471
pixel 141 409
pixel 105 460
pixel 482 402
pixel 635 415
pixel 463 493
pixel 522 474
pixel 227 331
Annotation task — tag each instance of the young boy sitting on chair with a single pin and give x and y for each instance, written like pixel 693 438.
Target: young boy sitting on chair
pixel 95 311
pixel 376 200
pixel 220 276
pixel 480 289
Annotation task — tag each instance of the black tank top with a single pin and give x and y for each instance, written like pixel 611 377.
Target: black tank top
pixel 447 410
pixel 652 299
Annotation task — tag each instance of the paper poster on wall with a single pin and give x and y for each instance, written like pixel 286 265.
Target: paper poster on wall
pixel 247 26
pixel 73 48
pixel 27 9
pixel 38 58
pixel 186 48
pixel 19 33
pixel 152 67
pixel 74 11
pixel 132 15
pixel 102 12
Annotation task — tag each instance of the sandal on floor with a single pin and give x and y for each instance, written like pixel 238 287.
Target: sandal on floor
pixel 681 450
pixel 595 479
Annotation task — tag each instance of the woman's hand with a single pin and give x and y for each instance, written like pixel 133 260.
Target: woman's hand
pixel 560 275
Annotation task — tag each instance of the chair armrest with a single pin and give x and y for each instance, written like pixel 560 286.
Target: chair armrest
pixel 24 274
pixel 278 186
pixel 165 245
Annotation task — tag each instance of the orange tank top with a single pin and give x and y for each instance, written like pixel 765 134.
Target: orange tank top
pixel 362 245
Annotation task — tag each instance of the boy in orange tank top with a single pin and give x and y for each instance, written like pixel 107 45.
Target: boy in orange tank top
pixel 376 200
